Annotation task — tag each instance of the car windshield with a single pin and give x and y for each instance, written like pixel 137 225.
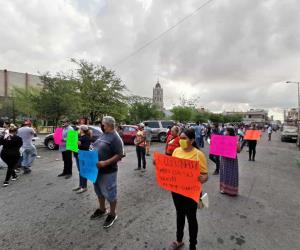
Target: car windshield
pixel 167 124
pixel 290 128
pixel 153 124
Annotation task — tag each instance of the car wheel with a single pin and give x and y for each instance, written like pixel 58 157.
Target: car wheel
pixel 282 139
pixel 162 137
pixel 51 145
pixel 133 139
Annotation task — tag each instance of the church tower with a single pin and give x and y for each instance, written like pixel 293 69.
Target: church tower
pixel 158 96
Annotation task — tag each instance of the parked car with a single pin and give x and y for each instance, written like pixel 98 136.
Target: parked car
pixel 128 133
pixel 191 124
pixel 50 144
pixel 289 133
pixel 159 129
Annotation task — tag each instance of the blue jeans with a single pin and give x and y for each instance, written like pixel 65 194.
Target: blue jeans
pixel 82 180
pixel 28 156
pixel 200 142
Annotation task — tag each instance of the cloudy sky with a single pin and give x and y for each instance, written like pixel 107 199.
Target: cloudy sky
pixel 232 54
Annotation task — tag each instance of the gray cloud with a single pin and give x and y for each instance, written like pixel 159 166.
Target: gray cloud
pixel 233 54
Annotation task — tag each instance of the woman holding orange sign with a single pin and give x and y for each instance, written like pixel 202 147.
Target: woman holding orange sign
pixel 187 207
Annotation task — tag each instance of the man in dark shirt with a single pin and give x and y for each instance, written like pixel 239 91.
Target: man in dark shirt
pixel 110 150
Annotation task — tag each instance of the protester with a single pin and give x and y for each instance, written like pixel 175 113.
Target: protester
pixel 208 132
pixel 240 134
pixel 29 152
pixel 187 207
pixel 222 129
pixel 270 130
pixel 10 153
pixel 148 133
pixel 252 147
pixel 169 131
pixel 199 135
pixel 140 143
pixel 172 141
pixel 66 154
pixel 215 158
pixel 84 142
pixel 111 150
pixel 229 171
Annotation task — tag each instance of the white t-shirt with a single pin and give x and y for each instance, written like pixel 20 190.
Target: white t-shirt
pixel 269 130
pixel 26 133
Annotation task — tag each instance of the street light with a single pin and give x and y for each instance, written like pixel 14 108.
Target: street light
pixel 298 125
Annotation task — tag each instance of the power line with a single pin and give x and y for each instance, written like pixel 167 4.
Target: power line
pixel 162 34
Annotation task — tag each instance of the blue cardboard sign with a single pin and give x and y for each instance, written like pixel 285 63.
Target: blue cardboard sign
pixel 88 164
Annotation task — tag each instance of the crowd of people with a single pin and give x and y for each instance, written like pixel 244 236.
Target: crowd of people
pixel 181 142
pixel 17 150
pixel 186 143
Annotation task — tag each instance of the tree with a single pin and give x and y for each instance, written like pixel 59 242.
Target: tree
pixel 200 116
pixel 141 109
pixel 8 109
pixel 182 114
pixel 58 97
pixel 100 91
pixel 23 100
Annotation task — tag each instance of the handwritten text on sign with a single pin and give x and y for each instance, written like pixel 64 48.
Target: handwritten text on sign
pixel 178 175
pixel 224 145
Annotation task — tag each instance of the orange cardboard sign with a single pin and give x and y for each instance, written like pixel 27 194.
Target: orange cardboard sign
pixel 178 175
pixel 252 135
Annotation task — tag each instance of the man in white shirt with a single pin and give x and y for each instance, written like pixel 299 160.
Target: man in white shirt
pixel 28 149
pixel 270 130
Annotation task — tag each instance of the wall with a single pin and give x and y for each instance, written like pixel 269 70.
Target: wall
pixel 16 79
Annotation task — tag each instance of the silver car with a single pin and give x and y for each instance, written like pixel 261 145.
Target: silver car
pixel 159 129
pixel 289 133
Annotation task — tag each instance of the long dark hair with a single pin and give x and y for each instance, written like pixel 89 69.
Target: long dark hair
pixel 190 133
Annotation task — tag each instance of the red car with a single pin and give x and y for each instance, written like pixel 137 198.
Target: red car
pixel 128 133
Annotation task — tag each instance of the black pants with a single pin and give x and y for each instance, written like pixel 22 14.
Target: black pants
pixel 67 159
pixel 216 160
pixel 141 155
pixel 11 161
pixel 252 149
pixel 186 207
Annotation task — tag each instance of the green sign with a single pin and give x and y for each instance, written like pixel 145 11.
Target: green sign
pixel 72 141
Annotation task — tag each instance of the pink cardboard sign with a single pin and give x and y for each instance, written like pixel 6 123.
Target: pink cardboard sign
pixel 58 136
pixel 224 145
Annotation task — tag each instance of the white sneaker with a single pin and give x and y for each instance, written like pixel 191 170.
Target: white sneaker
pixel 81 190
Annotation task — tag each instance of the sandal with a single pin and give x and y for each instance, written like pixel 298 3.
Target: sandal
pixel 175 245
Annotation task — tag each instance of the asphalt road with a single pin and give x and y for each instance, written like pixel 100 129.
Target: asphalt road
pixel 40 211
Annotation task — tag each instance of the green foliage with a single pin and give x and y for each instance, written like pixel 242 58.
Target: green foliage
pixel 100 91
pixel 183 114
pixel 142 108
pixel 23 101
pixel 58 97
pixel 7 108
pixel 191 114
pixel 200 116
